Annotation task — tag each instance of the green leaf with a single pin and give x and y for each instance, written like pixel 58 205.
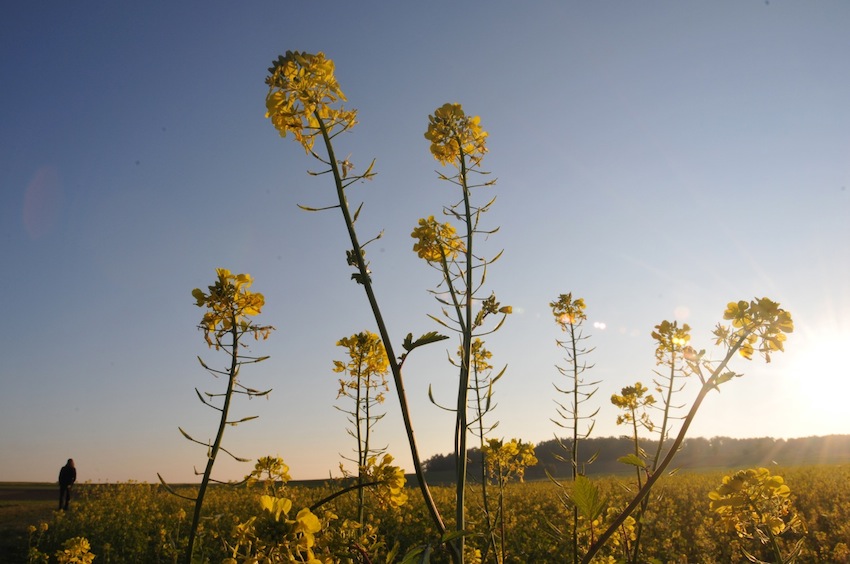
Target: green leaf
pixel 235 423
pixel 170 490
pixel 357 213
pixel 391 555
pixel 431 337
pixel 418 555
pixel 306 208
pixel 438 320
pixel 633 460
pixel 586 498
pixel 725 377
pixel 357 277
pixel 449 536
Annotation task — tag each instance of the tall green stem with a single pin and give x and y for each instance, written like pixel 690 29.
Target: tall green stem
pixel 463 384
pixel 574 446
pixel 362 446
pixel 231 382
pixel 661 438
pixel 382 329
pixel 485 496
pixel 709 385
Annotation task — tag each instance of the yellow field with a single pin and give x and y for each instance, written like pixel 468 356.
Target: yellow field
pixel 142 523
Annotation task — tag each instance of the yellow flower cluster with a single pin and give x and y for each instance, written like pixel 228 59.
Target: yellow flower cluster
pixel 755 504
pixel 367 350
pixel 229 303
pixel 436 241
pixel 75 550
pixel 479 356
pixel 368 362
pixel 568 311
pixel 670 338
pixel 270 471
pixel 761 323
pixel 302 530
pixel 391 481
pixel 302 90
pixel 454 135
pixel 506 459
pixel 632 400
pixel 589 528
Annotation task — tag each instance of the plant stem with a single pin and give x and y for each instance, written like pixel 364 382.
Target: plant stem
pixel 382 329
pixel 710 384
pixel 463 384
pixel 574 447
pixel 232 373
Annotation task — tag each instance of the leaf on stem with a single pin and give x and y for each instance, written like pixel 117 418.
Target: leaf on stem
pixel 586 498
pixel 431 337
pixel 633 460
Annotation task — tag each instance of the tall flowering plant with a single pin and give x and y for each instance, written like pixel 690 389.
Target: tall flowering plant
pixel 230 306
pixel 304 99
pixel 758 326
pixel 457 140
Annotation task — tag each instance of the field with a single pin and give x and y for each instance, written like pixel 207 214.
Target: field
pixel 142 523
pixel 22 504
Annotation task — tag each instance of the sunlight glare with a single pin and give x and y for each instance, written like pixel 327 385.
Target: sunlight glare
pixel 822 376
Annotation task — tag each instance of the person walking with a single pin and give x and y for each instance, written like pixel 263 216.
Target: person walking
pixel 67 477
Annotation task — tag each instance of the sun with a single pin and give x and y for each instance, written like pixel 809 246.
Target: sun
pixel 820 373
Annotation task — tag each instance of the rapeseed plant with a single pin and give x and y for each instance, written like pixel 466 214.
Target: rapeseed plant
pixel 230 306
pixel 304 99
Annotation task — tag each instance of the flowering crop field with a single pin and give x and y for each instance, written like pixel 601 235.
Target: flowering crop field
pixel 138 522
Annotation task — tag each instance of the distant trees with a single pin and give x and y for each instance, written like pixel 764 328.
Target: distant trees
pixel 698 452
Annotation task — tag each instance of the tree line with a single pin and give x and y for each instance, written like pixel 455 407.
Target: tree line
pixel 696 453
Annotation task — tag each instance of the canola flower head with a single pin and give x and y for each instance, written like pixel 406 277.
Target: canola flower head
pixel 391 481
pixel 303 90
pixel 479 356
pixel 454 135
pixel 75 550
pixel 506 459
pixel 366 369
pixel 229 303
pixel 436 241
pixel 760 325
pixel 568 311
pixel 670 338
pixel 752 502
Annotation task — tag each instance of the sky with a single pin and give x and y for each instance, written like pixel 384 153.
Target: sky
pixel 658 159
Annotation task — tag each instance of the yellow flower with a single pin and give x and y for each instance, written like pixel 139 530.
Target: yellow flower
pixel 367 353
pixel 752 502
pixel 391 481
pixel 670 338
pixel 504 460
pixel 75 550
pixel 479 356
pixel 229 303
pixel 761 323
pixel 436 241
pixel 454 135
pixel 302 88
pixel 568 311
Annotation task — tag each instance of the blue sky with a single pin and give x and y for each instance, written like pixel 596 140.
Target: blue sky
pixel 658 159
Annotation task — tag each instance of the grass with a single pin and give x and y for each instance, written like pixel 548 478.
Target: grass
pixel 21 505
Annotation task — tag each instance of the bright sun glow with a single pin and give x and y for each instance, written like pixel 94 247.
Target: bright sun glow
pixel 822 376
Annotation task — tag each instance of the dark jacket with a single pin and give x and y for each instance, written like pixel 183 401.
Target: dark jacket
pixel 67 476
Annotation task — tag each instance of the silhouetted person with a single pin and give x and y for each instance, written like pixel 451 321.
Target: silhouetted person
pixel 67 477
